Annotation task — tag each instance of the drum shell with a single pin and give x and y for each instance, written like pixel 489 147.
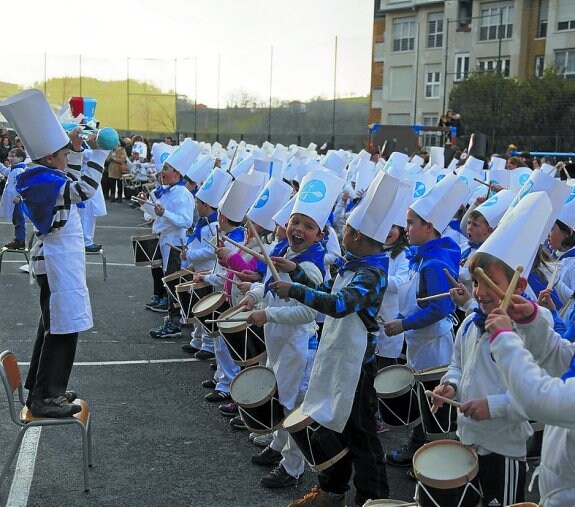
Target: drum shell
pixel 320 446
pixel 385 502
pixel 212 312
pixel 146 250
pixel 246 343
pixel 398 409
pixel 188 294
pixel 175 279
pixel 446 416
pixel 262 415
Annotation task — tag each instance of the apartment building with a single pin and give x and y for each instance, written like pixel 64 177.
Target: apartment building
pixel 423 48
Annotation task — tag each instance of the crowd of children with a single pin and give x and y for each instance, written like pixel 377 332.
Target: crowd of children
pixel 265 227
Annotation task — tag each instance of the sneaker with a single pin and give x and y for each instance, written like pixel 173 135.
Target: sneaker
pixel 162 306
pixel 402 457
pixel 267 458
pixel 229 409
pixel 53 407
pixel 167 330
pixel 190 349
pixel 93 248
pixel 263 440
pixel 204 355
pixel 218 396
pixel 209 384
pixel 279 478
pixel 252 436
pixel 237 423
pixel 16 244
pixel 318 498
pixel 154 301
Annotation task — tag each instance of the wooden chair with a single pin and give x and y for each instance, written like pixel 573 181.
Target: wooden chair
pixel 25 252
pixel 102 254
pixel 10 373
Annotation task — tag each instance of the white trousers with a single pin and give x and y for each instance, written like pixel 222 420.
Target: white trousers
pixel 227 369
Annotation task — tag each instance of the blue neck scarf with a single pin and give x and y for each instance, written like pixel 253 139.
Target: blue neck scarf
pixel 39 188
pixel 538 283
pixel 202 222
pixel 159 192
pixel 19 165
pixel 567 254
pixel 238 234
pixel 467 252
pixel 314 254
pixel 455 225
pixel 353 263
pixel 479 319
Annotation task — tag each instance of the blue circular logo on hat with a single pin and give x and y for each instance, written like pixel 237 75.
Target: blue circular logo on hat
pixel 528 186
pixel 209 182
pixel 419 189
pixel 263 200
pixel 439 178
pixel 571 196
pixel 491 201
pixel 523 178
pixel 464 179
pixel 164 156
pixel 313 191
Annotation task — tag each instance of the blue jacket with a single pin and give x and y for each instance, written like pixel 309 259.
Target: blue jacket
pixel 429 260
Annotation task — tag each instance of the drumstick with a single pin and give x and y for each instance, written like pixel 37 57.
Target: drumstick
pixel 176 248
pixel 452 280
pixel 235 311
pixel 211 230
pixel 189 271
pixel 511 289
pixel 481 274
pixel 258 256
pixel 267 260
pixel 434 297
pixel 233 157
pixel 235 319
pixel 235 282
pixel 553 276
pixel 213 246
pixel 488 185
pixel 237 273
pixel 141 201
pixel 217 235
pixel 431 394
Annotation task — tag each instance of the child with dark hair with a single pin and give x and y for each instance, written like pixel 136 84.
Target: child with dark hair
pixel 11 202
pixel 561 241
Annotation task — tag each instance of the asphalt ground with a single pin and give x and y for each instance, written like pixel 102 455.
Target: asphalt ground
pixel 156 440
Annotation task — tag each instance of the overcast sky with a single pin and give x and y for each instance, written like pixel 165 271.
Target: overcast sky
pixel 177 43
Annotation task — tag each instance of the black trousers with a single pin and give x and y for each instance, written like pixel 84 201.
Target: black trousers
pixel 365 454
pixel 115 183
pixel 174 264
pixel 157 275
pixel 53 354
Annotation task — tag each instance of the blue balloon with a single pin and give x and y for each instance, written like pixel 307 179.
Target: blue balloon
pixel 107 138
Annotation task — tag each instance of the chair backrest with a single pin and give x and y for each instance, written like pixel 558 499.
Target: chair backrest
pixel 10 373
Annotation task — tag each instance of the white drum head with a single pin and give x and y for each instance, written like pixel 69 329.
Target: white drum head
pixel 430 374
pixel 386 502
pixel 393 380
pixel 232 325
pixel 253 385
pixel 207 302
pixel 445 464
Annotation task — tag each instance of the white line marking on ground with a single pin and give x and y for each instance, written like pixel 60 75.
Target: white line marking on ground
pixel 24 473
pixel 91 263
pixel 138 361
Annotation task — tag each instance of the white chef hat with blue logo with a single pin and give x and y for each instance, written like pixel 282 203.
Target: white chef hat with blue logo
pixel 495 207
pixel 200 169
pixel 318 193
pixel 241 195
pixel 160 153
pixel 214 188
pixel 184 155
pixel 281 218
pixel 273 197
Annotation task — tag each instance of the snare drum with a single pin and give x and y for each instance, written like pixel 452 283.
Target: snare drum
pixel 171 281
pixel 245 342
pixel 255 392
pixel 188 294
pixel 446 472
pixel 147 250
pixel 210 307
pixel 442 424
pixel 320 446
pixel 395 387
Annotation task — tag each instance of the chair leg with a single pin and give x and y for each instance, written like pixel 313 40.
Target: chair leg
pixel 12 454
pixel 85 456
pixel 1 257
pixel 104 266
pixel 90 455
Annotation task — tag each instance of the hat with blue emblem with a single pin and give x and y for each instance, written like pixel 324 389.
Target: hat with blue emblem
pixel 273 197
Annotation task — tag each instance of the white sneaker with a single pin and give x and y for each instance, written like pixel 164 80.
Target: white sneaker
pixel 264 440
pixel 252 436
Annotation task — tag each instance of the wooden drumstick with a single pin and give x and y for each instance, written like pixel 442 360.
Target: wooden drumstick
pixel 233 157
pixel 225 278
pixel 258 256
pixel 208 242
pixel 511 289
pixel 488 185
pixel 218 235
pixel 492 285
pixel 215 321
pixel 234 312
pixel 141 201
pixel 553 276
pixel 434 297
pixel 431 394
pixel 210 228
pixel 267 260
pixel 176 248
pixel 237 273
pixel 452 280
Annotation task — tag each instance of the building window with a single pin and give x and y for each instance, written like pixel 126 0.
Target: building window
pixel 491 66
pixel 432 83
pixel 435 30
pixel 403 34
pixel 566 15
pixel 429 139
pixel 461 67
pixel 565 63
pixel 539 65
pixel 542 18
pixel 464 12
pixel 496 21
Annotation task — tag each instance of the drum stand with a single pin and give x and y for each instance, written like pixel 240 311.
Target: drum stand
pixel 104 265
